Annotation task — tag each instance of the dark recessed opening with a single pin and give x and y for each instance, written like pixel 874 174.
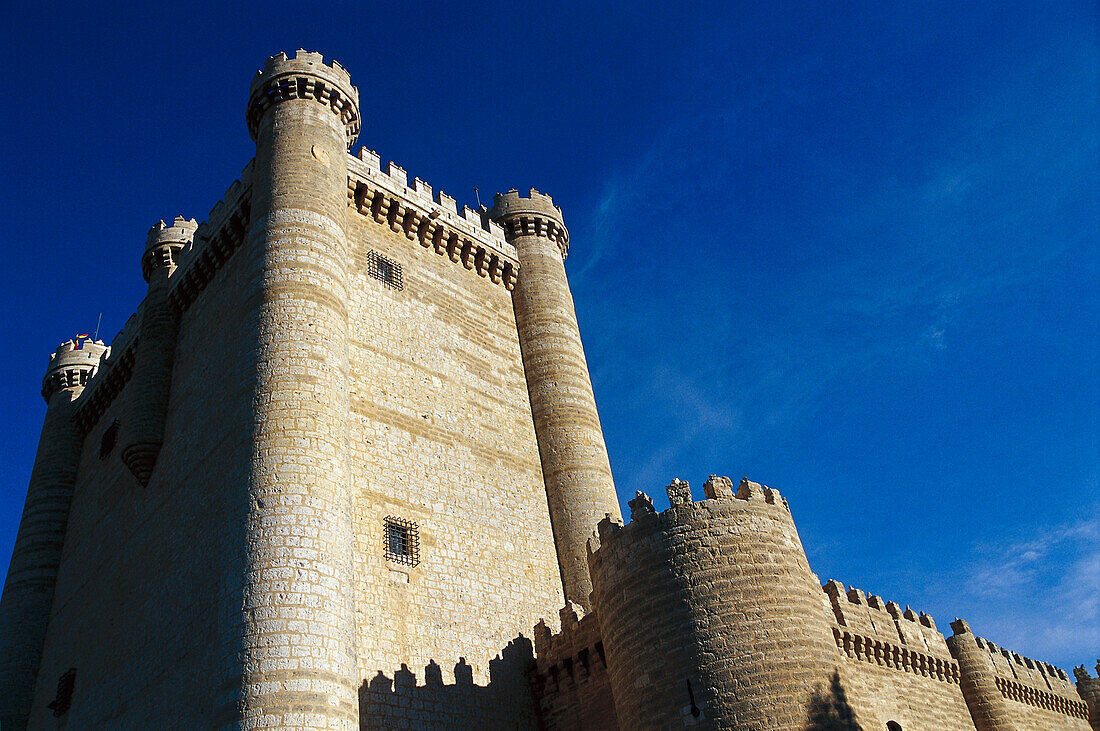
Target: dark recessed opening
pixel 65 686
pixel 107 442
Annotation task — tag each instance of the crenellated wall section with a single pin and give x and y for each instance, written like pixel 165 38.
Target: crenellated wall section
pixel 570 679
pixel 1005 690
pixel 898 667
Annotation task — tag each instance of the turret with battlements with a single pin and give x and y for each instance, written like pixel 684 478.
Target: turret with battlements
pixel 709 611
pixel 142 430
pixel 32 574
pixel 579 487
pixel 303 115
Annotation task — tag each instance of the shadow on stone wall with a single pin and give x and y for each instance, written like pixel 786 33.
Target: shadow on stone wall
pixel 504 703
pixel 830 711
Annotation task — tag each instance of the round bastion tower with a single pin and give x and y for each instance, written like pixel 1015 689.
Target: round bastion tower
pixel 579 487
pixel 710 614
pixel 28 590
pixel 293 662
pixel 142 431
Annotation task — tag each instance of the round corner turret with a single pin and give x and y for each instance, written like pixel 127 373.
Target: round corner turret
pixel 306 76
pixel 72 364
pixel 532 215
pixel 721 577
pixel 164 243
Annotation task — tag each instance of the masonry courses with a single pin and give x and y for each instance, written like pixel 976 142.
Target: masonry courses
pixel 343 469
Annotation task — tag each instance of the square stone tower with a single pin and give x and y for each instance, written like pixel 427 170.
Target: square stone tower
pixel 348 434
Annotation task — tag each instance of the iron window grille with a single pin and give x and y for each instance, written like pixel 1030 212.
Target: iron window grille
pixel 402 540
pixel 385 270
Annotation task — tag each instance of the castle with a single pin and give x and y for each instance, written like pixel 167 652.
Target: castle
pixel 345 460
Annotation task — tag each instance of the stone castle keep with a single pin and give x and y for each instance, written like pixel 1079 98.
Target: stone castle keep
pixel 343 469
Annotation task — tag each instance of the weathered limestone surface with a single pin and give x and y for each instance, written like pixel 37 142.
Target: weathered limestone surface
pixel 441 434
pixel 710 614
pixel 898 665
pixel 142 435
pixel 296 655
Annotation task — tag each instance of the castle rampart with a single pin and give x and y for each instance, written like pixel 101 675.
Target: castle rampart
pixel 570 679
pixel 466 238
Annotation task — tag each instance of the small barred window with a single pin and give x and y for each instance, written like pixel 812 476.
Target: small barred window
pixel 385 270
pixel 65 686
pixel 107 442
pixel 402 539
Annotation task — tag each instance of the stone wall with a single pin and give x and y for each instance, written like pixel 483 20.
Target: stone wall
pixel 141 606
pixel 441 436
pixel 898 666
pixel 710 614
pixel 1007 690
pixel 570 679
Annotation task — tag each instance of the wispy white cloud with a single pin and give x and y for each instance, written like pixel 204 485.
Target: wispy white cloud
pixel 1039 596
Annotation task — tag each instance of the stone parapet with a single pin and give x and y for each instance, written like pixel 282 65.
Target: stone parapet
pixel 306 76
pixel 570 679
pixel 464 235
pixel 1088 688
pixel 164 243
pixel 533 215
pixel 72 365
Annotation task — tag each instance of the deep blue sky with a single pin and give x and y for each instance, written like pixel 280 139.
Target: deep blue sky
pixel 850 251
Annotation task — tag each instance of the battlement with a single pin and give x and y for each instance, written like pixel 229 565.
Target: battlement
pixel 181 232
pixel 164 243
pixel 72 364
pixel 464 235
pixel 869 629
pixel 1083 676
pixel 718 490
pixel 570 677
pixel 305 76
pixel 1021 679
pixel 533 215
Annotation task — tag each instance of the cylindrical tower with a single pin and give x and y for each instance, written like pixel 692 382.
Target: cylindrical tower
pixel 295 654
pixel 142 430
pixel 28 591
pixel 579 487
pixel 710 613
pixel 978 681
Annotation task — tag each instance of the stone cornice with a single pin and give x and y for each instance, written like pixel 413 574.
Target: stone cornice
pixel 465 236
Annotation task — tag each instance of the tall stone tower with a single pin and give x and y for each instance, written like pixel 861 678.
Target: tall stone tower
pixel 303 115
pixel 579 487
pixel 32 575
